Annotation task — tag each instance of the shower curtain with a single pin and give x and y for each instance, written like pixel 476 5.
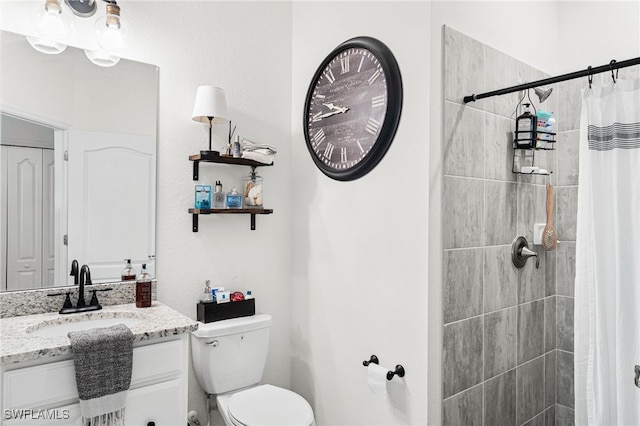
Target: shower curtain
pixel 607 285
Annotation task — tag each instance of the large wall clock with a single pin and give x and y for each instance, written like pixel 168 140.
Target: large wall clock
pixel 352 108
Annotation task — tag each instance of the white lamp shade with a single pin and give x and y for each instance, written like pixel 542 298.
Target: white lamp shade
pixel 210 102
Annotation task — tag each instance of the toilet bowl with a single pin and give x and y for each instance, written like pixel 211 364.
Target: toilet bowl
pixel 228 360
pixel 265 405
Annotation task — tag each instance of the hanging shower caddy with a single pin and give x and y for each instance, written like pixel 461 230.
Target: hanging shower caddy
pixel 533 132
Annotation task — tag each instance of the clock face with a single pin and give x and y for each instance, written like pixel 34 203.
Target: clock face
pixel 353 108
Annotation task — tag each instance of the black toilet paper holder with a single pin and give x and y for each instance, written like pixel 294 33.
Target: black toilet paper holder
pixel 399 371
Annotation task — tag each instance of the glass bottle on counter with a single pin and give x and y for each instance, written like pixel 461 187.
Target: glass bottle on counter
pixel 128 273
pixel 143 288
pixel 253 190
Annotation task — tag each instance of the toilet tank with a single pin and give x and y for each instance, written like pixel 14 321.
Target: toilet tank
pixel 230 354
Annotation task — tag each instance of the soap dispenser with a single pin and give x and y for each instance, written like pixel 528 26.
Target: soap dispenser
pixel 207 297
pixel 128 273
pixel 218 196
pixel 526 129
pixel 143 288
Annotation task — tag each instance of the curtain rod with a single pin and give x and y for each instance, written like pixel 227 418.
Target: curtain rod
pixel 613 65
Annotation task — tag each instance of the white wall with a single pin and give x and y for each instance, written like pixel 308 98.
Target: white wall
pixel 359 248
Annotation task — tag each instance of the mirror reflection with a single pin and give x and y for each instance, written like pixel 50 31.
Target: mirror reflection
pixel 78 166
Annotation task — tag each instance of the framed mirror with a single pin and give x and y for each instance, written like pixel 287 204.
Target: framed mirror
pixel 78 165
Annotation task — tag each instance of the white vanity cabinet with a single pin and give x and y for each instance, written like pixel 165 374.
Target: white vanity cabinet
pixel 45 393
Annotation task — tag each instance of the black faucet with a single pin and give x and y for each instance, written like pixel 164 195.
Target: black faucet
pixel 85 279
pixel 81 278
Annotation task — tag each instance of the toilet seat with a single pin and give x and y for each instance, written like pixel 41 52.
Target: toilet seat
pixel 269 405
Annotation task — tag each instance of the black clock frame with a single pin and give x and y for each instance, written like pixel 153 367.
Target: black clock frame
pixel 392 116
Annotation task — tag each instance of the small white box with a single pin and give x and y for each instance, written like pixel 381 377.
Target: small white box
pixel 538 229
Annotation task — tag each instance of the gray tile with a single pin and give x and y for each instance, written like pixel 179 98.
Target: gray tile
pixel 500 400
pixel 566 212
pixel 498 148
pixel 549 323
pixel 550 379
pixel 530 330
pixel 463 141
pixel 536 421
pixel 463 201
pixel 531 208
pixel 564 377
pixel 550 416
pixel 462 284
pixel 464 409
pixel 463 67
pixel 530 390
pixel 499 342
pixel 550 266
pixel 531 280
pixel 500 212
pixel 564 416
pixel 462 355
pixel 567 151
pixel 500 279
pixel 566 268
pixel 502 70
pixel 570 104
pixel 564 318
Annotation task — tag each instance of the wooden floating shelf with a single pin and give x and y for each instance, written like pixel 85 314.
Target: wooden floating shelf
pixel 253 212
pixel 221 159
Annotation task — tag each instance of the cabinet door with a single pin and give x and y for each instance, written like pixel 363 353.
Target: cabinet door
pixel 160 403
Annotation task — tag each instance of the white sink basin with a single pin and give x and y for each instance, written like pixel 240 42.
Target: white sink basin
pixel 61 329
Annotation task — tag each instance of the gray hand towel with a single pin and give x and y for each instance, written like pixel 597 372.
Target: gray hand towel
pixel 103 362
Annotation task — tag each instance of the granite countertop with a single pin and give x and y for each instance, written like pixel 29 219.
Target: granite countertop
pixel 18 344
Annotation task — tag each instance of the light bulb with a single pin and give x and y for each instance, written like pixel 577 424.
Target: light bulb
pixel 51 22
pixel 102 59
pixel 43 45
pixel 112 32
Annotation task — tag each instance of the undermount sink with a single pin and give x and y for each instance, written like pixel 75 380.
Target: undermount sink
pixel 58 329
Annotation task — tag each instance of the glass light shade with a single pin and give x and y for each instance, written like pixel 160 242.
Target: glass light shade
pixel 43 45
pixel 51 22
pixel 113 33
pixel 102 59
pixel 210 101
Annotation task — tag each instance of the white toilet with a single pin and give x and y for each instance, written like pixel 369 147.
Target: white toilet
pixel 228 359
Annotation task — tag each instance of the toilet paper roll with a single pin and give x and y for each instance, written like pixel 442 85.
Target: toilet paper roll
pixel 377 379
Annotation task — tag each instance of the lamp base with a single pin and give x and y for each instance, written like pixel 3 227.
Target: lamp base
pixel 209 155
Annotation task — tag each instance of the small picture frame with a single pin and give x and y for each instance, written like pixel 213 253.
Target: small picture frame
pixel 203 197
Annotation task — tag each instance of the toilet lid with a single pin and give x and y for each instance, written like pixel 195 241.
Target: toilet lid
pixel 268 405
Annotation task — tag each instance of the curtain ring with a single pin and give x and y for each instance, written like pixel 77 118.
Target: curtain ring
pixel 613 77
pixel 589 76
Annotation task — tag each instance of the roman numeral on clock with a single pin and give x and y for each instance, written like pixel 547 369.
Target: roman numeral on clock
pixel 374 77
pixel 377 101
pixel 318 137
pixel 372 126
pixel 344 65
pixel 330 76
pixel 328 151
pixel 343 154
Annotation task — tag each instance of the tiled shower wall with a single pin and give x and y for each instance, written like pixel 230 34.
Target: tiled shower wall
pixel 508 333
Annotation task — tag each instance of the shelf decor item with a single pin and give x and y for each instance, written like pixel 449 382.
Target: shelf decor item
pixel 352 108
pixel 210 107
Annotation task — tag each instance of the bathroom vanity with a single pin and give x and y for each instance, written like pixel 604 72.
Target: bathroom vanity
pixel 37 370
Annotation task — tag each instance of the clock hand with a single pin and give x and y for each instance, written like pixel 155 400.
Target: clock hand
pixel 336 108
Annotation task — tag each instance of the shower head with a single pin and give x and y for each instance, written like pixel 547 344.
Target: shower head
pixel 543 94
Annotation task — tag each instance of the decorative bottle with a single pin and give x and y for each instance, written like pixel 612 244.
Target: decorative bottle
pixel 253 191
pixel 234 199
pixel 218 196
pixel 128 273
pixel 143 288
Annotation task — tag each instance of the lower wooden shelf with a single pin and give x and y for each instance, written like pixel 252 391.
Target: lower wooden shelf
pixel 253 212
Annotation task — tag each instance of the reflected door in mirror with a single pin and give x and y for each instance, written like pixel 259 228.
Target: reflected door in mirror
pixel 111 193
pixel 28 217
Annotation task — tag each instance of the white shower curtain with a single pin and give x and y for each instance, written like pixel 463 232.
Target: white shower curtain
pixel 607 286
